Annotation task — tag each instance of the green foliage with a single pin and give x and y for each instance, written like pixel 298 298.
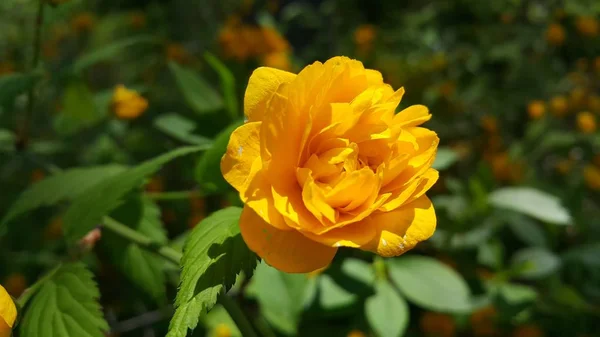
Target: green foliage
pixel 199 95
pixel 112 50
pixel 87 211
pixel 65 305
pixel 386 311
pixel 13 85
pixel 444 159
pixel 531 202
pixel 179 128
pixel 212 257
pixel 227 84
pixel 534 263
pixel 430 284
pixel 79 109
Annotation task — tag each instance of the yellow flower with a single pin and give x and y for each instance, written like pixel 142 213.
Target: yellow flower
pixel 128 104
pixel 222 330
pixel 564 166
pixel 83 22
pixel 483 322
pixel 587 25
pixel 555 34
pixel 536 109
pixel 271 41
pixel 591 175
pixel 137 19
pixel 177 52
pixel 559 105
pixel 15 284
pixel 364 36
pixel 594 103
pixel 435 324
pixel 586 122
pixel 577 97
pixel 528 330
pixel 8 313
pixel 323 162
pixel 356 333
pixel 280 60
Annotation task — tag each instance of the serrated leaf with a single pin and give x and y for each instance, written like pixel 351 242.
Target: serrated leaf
pixel 227 83
pixel 532 202
pixel 142 267
pixel 430 284
pixel 208 169
pixel 386 311
pixel 281 296
pixel 213 256
pixel 110 51
pixel 13 85
pixel 534 263
pixel 179 128
pixel 444 158
pixel 65 305
pixel 79 109
pixel 66 185
pixel 87 211
pixel 200 96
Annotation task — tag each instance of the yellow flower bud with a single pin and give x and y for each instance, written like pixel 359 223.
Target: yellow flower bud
pixel 555 34
pixel 536 109
pixel 559 105
pixel 8 313
pixel 128 104
pixel 222 330
pixel 586 122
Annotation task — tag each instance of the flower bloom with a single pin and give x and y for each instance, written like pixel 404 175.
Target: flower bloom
pixel 591 175
pixel 323 162
pixel 587 26
pixel 586 122
pixel 356 333
pixel 536 109
pixel 83 22
pixel 364 36
pixel 435 324
pixel 559 105
pixel 128 104
pixel 8 313
pixel 555 34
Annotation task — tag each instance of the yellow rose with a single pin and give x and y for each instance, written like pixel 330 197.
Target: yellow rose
pixel 323 162
pixel 128 104
pixel 8 313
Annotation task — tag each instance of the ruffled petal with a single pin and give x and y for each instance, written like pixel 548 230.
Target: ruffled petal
pixel 262 85
pixel 242 151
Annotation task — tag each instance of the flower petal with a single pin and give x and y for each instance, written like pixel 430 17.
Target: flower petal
pixel 8 311
pixel 262 85
pixel 288 251
pixel 242 151
pixel 400 230
pixel 412 116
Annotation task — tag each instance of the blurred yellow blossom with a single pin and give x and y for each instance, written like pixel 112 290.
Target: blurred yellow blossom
pixel 243 41
pixel 222 330
pixel 364 36
pixel 594 103
pixel 564 166
pixel 586 122
pixel 591 175
pixel 506 169
pixel 435 324
pixel 83 22
pixel 280 60
pixel 15 284
pixel 536 109
pixel 559 105
pixel 356 333
pixel 555 34
pixel 582 64
pixel 577 97
pixel 483 322
pixel 587 25
pixel 597 64
pixel 528 330
pixel 128 104
pixel 137 19
pixel 8 313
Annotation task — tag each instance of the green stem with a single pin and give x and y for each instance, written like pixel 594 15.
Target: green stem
pixel 237 315
pixel 173 195
pixel 37 38
pixel 174 257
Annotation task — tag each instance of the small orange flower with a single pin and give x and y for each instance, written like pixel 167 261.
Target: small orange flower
pixel 356 333
pixel 364 36
pixel 128 104
pixel 8 313
pixel 586 122
pixel 528 330
pixel 354 175
pixel 6 68
pixel 435 324
pixel 591 175
pixel 555 34
pixel 564 166
pixel 536 109
pixel 483 322
pixel 280 60
pixel 83 22
pixel 137 19
pixel 176 52
pixel 587 26
pixel 489 123
pixel 559 105
pixel 15 284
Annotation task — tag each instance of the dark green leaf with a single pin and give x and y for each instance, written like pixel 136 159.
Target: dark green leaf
pixel 227 84
pixel 110 51
pixel 13 85
pixel 527 230
pixel 588 254
pixel 66 305
pixel 386 311
pixel 197 92
pixel 7 141
pixel 532 202
pixel 208 170
pixel 534 263
pixel 87 211
pixel 444 158
pixel 359 270
pixel 79 109
pixel 212 257
pixel 66 185
pixel 332 296
pixel 430 284
pixel 179 128
pixel 491 254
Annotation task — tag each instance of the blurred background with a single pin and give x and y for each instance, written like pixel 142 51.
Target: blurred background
pixel 513 86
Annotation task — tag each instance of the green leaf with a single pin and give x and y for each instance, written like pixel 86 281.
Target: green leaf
pixel 534 263
pixel 526 230
pixel 227 84
pixel 66 185
pixel 212 257
pixel 13 85
pixel 568 297
pixel 532 202
pixel 66 305
pixel 430 284
pixel 491 254
pixel 7 141
pixel 87 211
pixel 179 128
pixel 208 170
pixel 516 294
pixel 444 158
pixel 197 92
pixel 332 296
pixel 359 270
pixel 110 51
pixel 142 267
pixel 588 254
pixel 218 316
pixel 79 109
pixel 281 296
pixel 386 311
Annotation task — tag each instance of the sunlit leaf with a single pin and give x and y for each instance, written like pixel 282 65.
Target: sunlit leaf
pixel 179 128
pixel 110 51
pixel 534 263
pixel 532 202
pixel 198 93
pixel 386 311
